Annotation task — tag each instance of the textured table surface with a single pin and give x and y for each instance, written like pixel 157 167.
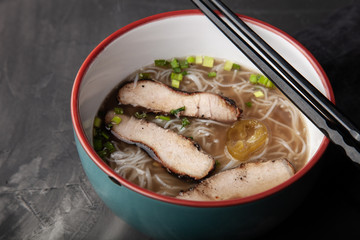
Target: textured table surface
pixel 44 193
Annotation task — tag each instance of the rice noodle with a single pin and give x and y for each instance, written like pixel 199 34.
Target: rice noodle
pixel 285 125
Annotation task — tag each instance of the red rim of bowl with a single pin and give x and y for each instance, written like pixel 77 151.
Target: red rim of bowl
pixel 105 168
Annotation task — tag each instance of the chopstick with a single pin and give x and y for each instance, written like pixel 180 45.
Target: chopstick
pixel 302 93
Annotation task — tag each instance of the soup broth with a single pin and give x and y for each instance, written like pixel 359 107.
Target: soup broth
pixel 287 133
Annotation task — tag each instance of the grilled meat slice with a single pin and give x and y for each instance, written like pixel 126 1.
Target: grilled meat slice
pixel 159 97
pixel 177 153
pixel 247 179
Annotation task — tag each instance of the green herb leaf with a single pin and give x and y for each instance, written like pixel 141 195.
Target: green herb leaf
pixel 212 74
pixel 162 117
pixel 109 146
pixel 105 135
pixel 184 64
pixel 144 76
pixel 140 115
pixel 184 73
pixel 174 63
pixel 177 111
pixel 118 110
pixel 161 63
pixel 248 104
pixel 103 153
pixel 235 66
pixel 184 122
pixel 177 70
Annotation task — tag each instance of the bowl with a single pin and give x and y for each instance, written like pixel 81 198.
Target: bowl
pixel 175 34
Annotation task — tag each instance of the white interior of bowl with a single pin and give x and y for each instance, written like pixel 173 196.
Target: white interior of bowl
pixel 178 36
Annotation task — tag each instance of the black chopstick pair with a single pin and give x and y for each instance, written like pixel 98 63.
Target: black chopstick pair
pixel 303 94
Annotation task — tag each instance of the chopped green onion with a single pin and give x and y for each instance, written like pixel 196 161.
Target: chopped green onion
pixel 177 70
pixel 176 76
pixel 190 59
pixel 140 115
pixel 184 64
pixel 235 66
pixel 161 63
pixel 208 61
pixel 116 120
pixel 177 111
pixel 261 79
pixel 144 76
pixel 162 117
pixel 97 122
pixel 212 74
pixel 109 146
pixel 248 104
pixel 198 59
pixel 97 144
pixel 175 83
pixel 174 63
pixel 228 65
pixel 105 135
pixel 258 93
pixel 184 122
pixel 253 78
pixel 102 153
pixel 118 110
pixel 269 84
pixel 184 73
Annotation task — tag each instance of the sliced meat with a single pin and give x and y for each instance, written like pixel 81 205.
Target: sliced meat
pixel 245 180
pixel 178 154
pixel 159 97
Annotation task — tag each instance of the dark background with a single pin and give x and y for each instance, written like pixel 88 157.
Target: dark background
pixel 44 193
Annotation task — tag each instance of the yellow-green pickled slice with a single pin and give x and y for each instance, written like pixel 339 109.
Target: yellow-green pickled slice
pixel 246 137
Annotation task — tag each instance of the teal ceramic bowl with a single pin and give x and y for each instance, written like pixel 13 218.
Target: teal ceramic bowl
pixel 166 35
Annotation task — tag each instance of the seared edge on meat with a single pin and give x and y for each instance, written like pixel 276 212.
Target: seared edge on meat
pixel 247 179
pixel 158 97
pixel 178 154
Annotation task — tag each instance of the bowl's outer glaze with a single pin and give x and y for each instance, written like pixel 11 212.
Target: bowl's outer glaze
pixel 169 218
pixel 162 220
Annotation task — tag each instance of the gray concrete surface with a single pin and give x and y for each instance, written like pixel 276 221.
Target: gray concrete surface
pixel 44 193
